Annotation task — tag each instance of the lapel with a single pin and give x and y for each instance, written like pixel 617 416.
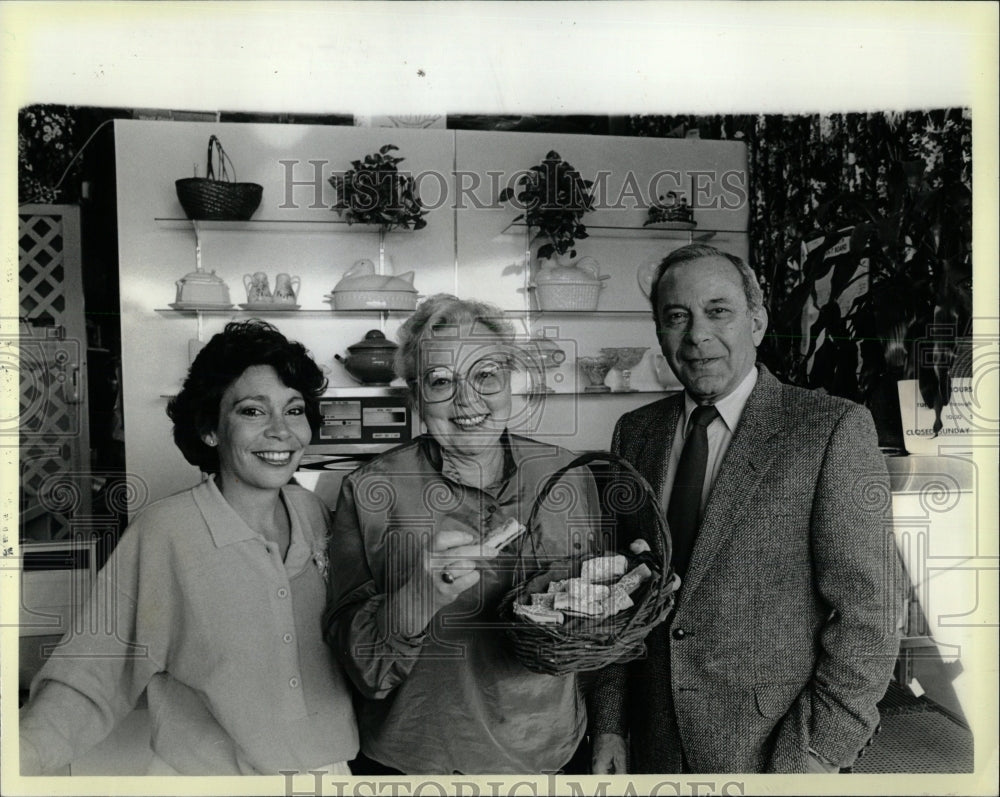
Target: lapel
pixel 658 439
pixel 648 446
pixel 750 453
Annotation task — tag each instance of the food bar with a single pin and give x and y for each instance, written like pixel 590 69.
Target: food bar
pixel 506 534
pixel 583 591
pixel 632 579
pixel 539 614
pixel 603 568
pixel 545 600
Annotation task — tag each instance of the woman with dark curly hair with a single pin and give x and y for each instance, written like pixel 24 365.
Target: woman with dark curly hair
pixel 215 594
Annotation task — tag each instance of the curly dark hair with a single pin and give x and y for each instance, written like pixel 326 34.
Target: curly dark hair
pixel 241 345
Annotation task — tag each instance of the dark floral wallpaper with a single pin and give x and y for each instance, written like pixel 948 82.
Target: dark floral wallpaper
pixel 799 164
pixel 45 146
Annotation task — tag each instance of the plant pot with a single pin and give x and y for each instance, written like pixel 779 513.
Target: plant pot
pixel 370 361
pixel 362 289
pixel 568 286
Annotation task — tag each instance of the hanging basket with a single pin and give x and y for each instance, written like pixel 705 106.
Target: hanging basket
pixel 584 643
pixel 210 199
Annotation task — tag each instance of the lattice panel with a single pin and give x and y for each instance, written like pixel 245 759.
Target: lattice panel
pixel 49 402
pixel 43 465
pixel 41 268
pixel 52 426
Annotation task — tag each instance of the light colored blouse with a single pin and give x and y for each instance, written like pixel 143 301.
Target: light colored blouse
pixel 454 699
pixel 200 610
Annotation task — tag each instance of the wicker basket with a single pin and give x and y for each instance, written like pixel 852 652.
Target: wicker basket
pixel 211 199
pixel 586 643
pixel 567 295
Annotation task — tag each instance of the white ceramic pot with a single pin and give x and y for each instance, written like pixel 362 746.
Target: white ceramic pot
pixel 568 286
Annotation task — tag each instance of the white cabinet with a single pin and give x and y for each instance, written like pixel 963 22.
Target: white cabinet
pixel 468 248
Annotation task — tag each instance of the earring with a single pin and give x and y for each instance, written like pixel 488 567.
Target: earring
pixel 211 441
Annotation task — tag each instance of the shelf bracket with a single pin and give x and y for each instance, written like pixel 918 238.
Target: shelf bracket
pixel 197 246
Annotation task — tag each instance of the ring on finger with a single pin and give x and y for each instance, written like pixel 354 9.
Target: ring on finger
pixel 447 577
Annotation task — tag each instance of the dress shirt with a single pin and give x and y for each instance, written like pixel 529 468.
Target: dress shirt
pixel 223 634
pixel 720 434
pixel 455 698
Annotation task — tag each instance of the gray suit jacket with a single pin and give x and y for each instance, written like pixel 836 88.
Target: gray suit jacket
pixel 785 631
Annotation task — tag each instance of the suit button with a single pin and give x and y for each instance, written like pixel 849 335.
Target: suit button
pixel 679 633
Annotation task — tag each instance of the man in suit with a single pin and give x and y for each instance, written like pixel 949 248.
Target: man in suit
pixel 785 628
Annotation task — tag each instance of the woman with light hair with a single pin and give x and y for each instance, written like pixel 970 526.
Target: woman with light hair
pixel 414 590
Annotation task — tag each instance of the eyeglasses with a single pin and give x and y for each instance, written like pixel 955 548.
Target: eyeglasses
pixel 486 377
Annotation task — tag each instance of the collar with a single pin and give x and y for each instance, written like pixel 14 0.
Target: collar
pixel 730 407
pixel 225 524
pixel 512 456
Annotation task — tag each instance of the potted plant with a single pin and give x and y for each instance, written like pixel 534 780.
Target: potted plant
pixel 374 191
pixel 554 197
pixel 670 210
pixel 896 273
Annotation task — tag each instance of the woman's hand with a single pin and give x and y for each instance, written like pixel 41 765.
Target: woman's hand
pixel 448 568
pixel 445 569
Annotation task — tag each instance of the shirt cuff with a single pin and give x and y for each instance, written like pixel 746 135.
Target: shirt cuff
pixel 31 760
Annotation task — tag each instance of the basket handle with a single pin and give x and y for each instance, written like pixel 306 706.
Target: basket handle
pixel 662 543
pixel 215 148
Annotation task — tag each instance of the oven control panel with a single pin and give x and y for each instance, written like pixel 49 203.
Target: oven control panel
pixel 363 421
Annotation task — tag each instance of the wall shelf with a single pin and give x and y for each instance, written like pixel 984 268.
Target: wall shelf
pixel 646 312
pixel 376 312
pixel 569 393
pixel 560 394
pixel 319 312
pixel 273 225
pixel 677 230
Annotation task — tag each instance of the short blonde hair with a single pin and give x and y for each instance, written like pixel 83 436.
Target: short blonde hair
pixel 439 312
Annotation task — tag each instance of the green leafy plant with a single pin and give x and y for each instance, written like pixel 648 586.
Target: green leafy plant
pixel 554 197
pixel 374 191
pixel 669 207
pixel 913 245
pixel 45 144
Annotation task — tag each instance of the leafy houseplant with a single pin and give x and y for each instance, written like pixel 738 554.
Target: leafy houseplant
pixel 670 207
pixel 913 244
pixel 45 147
pixel 554 197
pixel 374 191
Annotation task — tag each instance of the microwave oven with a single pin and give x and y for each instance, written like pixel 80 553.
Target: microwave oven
pixel 362 420
pixel 357 423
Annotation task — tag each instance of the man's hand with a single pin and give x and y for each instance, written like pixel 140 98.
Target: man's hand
pixel 608 755
pixel 818 765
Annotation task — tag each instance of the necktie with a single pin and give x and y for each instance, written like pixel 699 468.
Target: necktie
pixel 684 511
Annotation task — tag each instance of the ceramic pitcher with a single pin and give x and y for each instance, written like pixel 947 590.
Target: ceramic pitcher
pixel 258 291
pixel 286 288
